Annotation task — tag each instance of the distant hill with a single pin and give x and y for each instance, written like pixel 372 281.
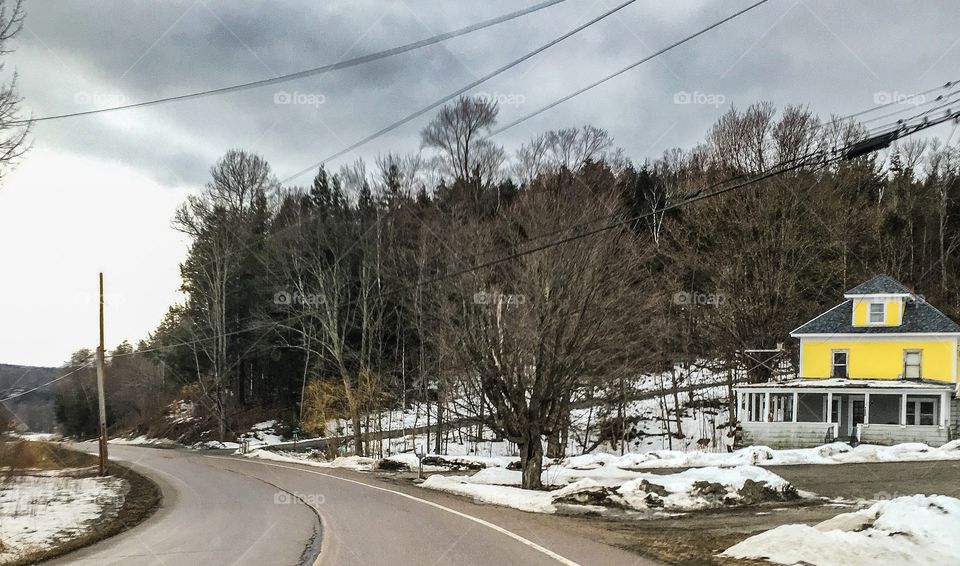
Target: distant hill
pixel 12 376
pixel 35 409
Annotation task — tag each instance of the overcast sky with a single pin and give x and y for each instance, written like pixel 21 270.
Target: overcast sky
pixel 97 193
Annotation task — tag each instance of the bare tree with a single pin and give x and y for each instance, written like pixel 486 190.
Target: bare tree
pixel 13 129
pixel 457 134
pixel 527 333
pixel 567 148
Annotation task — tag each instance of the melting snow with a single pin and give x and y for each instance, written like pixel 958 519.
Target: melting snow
pixel 917 530
pixel 36 512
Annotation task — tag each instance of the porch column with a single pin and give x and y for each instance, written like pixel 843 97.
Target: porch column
pixel 796 405
pixel 944 410
pixel 766 407
pixel 866 408
pixel 829 406
pixel 903 409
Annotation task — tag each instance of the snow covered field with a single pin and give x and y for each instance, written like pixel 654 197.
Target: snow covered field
pixel 37 512
pixel 916 530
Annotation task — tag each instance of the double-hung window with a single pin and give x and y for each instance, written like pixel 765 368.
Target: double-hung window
pixel 877 314
pixel 840 361
pixel 911 364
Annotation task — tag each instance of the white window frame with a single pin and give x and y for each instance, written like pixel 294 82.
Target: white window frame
pixel 883 312
pixel 833 362
pixel 919 354
pixel 913 410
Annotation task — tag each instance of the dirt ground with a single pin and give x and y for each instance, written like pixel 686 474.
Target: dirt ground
pixel 696 538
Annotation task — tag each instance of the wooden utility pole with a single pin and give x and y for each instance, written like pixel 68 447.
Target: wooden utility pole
pixel 101 373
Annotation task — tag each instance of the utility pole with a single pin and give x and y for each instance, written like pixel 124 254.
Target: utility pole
pixel 101 372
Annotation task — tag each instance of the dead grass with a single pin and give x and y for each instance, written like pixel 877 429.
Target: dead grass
pixel 16 455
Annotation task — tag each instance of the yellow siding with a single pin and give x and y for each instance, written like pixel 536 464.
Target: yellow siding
pixel 861 310
pixel 878 359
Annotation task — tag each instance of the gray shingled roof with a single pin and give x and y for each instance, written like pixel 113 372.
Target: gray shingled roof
pixel 918 316
pixel 879 284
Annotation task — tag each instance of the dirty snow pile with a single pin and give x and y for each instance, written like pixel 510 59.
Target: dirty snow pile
pixel 694 489
pixel 834 453
pixel 917 530
pixel 37 512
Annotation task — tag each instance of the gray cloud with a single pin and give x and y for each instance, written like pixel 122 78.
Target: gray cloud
pixel 833 56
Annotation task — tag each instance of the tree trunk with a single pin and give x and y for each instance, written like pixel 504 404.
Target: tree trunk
pixel 354 415
pixel 554 445
pixel 531 461
pixel 438 447
pixel 676 402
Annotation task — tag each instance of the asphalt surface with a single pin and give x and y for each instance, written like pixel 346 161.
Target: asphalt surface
pixel 208 516
pixel 221 509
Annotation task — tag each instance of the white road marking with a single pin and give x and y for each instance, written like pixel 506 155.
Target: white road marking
pixel 487 524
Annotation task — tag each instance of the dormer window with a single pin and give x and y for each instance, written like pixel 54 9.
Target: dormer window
pixel 877 313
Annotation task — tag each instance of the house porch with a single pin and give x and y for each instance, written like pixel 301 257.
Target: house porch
pixel 806 413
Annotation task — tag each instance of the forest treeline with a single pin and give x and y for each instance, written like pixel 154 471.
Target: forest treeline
pixel 511 281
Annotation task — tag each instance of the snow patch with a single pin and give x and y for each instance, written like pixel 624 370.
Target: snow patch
pixel 918 529
pixel 38 512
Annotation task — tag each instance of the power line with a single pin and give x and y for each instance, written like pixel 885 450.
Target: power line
pixel 597 83
pixel 898 100
pixel 309 72
pixel 458 92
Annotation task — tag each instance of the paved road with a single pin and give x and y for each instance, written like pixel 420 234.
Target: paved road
pixel 209 516
pixel 221 509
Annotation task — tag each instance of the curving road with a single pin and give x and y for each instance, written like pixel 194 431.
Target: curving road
pixel 219 509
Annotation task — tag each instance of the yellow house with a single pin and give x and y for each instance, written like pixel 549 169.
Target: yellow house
pixel 880 368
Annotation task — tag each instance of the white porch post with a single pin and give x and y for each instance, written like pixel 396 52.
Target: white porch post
pixel 866 408
pixel 903 409
pixel 830 406
pixel 944 410
pixel 766 407
pixel 796 405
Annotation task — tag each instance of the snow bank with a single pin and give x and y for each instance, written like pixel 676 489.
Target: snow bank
pixel 358 463
pixel 523 499
pixel 38 512
pixel 693 489
pixel 143 440
pixel 907 530
pixel 37 436
pixel 835 453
